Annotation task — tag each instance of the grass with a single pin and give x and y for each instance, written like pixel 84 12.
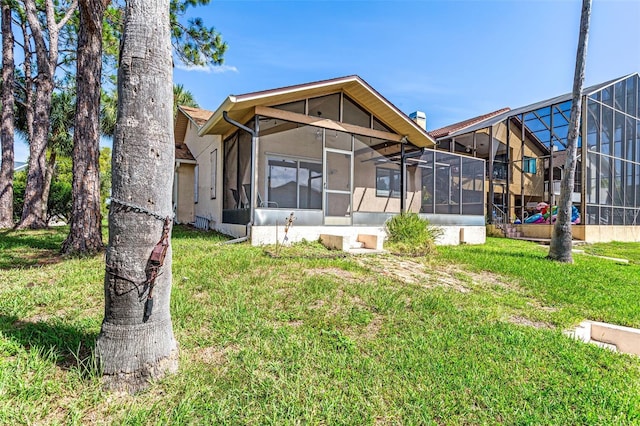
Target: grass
pixel 472 336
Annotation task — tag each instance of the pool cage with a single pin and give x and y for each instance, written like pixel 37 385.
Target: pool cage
pixel 525 152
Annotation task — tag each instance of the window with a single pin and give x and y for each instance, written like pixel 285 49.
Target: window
pixel 294 183
pixel 214 172
pixel 196 176
pixel 387 182
pixel 529 165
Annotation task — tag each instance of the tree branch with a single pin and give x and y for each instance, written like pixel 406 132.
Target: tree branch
pixel 68 15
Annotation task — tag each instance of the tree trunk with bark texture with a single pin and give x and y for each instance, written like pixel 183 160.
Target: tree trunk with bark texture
pixel 561 238
pixel 85 233
pixel 132 348
pixel 7 131
pixel 34 211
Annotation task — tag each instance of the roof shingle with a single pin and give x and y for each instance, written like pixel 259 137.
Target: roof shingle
pixel 444 131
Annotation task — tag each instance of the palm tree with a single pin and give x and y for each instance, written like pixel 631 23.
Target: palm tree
pixel 182 96
pixel 136 343
pixel 561 238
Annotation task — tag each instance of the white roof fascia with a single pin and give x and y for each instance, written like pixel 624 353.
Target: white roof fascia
pixel 217 115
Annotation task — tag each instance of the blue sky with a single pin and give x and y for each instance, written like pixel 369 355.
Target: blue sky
pixel 451 59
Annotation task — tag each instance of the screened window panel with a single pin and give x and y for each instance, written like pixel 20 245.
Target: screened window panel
pixel 606 216
pixel 631 96
pixel 379 125
pixel 618 135
pixel 630 137
pixel 629 189
pixel 592 177
pixel 352 113
pixel 619 90
pixel 618 180
pixel 592 215
pixel 637 144
pixel 231 196
pixel 244 168
pixel 607 96
pixel 593 125
pixel 447 178
pixel 338 140
pixel 637 97
pixel 426 168
pixel 338 205
pixel 618 216
pixel 472 186
pixel 296 106
pixel 636 185
pixel 604 180
pixel 629 216
pixel 606 135
pixel 325 107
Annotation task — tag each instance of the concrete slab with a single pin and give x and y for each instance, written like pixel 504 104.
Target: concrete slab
pixel 610 336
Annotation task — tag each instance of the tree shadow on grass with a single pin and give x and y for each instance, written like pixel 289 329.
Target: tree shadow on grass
pixel 186 232
pixel 72 346
pixel 23 249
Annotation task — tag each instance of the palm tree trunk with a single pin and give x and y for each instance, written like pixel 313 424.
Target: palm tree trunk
pixel 136 343
pixel 85 233
pixel 561 238
pixel 7 130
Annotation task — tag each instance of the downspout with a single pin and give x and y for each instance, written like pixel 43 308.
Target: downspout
pixel 253 187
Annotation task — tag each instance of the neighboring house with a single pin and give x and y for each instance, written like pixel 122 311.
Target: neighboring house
pixel 18 166
pixel 524 164
pixel 335 153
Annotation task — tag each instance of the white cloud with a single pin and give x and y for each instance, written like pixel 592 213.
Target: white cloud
pixel 215 69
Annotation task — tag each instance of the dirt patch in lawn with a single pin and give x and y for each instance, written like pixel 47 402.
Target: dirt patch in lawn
pixel 213 355
pixel 413 272
pixel 336 272
pixel 516 319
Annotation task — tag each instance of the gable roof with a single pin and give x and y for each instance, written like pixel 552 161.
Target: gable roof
pixel 197 115
pixel 447 130
pixel 241 106
pixel 186 114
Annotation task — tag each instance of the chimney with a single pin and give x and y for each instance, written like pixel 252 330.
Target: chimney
pixel 420 118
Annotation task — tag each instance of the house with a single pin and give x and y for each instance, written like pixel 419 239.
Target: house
pixel 525 151
pixel 335 154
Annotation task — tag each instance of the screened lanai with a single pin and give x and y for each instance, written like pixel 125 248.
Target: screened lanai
pixel 333 157
pixel 525 152
pixel 334 177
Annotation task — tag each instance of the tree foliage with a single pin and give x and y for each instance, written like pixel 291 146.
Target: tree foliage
pixel 193 42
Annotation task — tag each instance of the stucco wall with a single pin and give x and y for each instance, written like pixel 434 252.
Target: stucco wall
pixel 201 148
pixel 588 233
pixel 183 198
pixel 451 235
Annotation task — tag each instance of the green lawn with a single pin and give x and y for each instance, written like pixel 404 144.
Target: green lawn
pixel 471 336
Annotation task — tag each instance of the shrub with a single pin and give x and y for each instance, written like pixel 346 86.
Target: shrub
pixel 409 234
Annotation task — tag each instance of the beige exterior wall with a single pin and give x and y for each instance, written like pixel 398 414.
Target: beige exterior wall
pixel 201 147
pixel 451 235
pixel 183 193
pixel 533 183
pixel 587 233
